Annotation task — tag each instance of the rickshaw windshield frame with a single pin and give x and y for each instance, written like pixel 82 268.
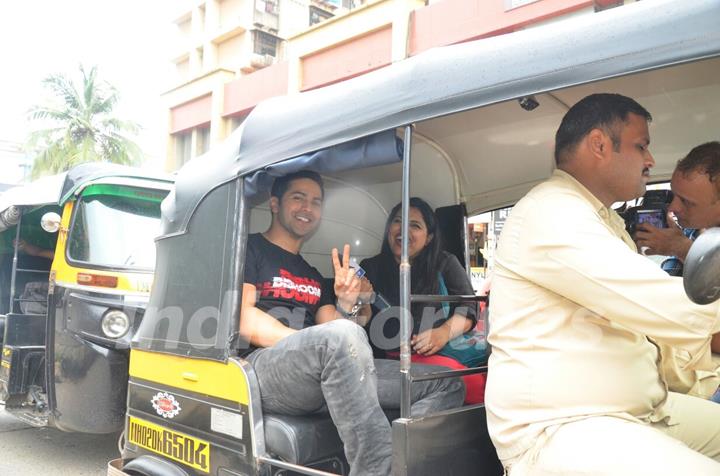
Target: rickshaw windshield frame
pixel 122 191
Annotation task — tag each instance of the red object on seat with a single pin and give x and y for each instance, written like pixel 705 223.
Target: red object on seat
pixel 474 384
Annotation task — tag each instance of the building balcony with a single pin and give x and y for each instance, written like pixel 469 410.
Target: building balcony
pixel 227 31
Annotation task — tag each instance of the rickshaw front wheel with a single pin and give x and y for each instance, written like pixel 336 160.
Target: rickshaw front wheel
pixel 148 465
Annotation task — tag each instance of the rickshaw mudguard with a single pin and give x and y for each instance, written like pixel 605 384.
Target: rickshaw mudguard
pixel 88 386
pixel 194 413
pixel 453 442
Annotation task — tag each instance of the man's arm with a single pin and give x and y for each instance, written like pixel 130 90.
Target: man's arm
pixel 715 343
pixel 33 250
pixel 663 241
pixel 326 313
pixel 582 261
pixel 259 327
pixel 329 313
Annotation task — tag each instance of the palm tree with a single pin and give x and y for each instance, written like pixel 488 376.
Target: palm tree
pixel 80 126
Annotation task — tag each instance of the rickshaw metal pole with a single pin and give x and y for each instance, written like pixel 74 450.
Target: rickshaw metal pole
pixel 11 308
pixel 466 244
pixel 405 315
pixel 450 373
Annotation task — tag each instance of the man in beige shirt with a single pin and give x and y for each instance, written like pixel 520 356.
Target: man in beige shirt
pixel 574 385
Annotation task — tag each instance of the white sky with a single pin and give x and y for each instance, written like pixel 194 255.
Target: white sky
pixel 129 41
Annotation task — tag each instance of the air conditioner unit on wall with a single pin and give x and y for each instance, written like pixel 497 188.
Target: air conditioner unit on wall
pixel 261 61
pixel 257 61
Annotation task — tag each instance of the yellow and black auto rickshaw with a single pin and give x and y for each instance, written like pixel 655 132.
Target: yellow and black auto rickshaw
pixel 476 122
pixel 76 264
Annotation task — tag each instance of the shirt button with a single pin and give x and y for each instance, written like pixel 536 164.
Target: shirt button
pixel 603 213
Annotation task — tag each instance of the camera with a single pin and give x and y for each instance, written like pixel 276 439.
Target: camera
pixel 652 209
pixel 528 102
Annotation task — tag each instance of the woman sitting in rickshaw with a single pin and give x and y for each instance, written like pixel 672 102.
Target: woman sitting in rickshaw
pixel 439 330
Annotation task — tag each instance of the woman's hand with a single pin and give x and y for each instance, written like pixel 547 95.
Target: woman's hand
pixel 431 341
pixel 366 291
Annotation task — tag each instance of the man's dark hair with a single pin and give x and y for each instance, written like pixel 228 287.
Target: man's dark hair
pixel 704 159
pixel 597 111
pixel 281 184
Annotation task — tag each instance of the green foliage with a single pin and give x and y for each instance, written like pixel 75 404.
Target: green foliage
pixel 79 126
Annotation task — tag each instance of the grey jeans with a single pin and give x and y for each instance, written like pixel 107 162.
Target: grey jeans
pixel 330 367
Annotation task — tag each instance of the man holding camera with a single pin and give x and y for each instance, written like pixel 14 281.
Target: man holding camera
pixel 575 385
pixel 696 204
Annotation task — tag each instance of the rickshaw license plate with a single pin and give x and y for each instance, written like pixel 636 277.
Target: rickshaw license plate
pixel 176 446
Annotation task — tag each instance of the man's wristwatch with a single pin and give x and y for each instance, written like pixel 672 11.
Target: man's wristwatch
pixel 352 314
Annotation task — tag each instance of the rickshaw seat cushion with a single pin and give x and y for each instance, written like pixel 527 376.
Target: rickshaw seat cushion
pixel 305 439
pixel 301 439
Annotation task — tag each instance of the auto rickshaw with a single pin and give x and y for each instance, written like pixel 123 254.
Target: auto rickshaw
pixel 468 126
pixel 69 308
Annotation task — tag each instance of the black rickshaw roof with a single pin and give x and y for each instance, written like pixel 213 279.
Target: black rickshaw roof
pixel 637 37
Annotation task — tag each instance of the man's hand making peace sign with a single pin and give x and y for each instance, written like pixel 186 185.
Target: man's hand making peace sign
pixel 353 293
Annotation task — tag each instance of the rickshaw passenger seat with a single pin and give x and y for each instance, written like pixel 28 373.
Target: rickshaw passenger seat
pixel 451 222
pixel 304 439
pixel 301 439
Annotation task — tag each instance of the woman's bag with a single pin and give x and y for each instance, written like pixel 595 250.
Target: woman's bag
pixel 470 348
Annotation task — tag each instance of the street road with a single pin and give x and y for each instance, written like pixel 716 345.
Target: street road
pixel 26 451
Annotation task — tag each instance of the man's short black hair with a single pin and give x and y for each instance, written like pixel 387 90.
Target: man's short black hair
pixel 704 159
pixel 281 184
pixel 597 111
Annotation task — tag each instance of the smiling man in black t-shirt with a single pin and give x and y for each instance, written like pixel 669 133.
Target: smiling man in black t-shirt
pixel 306 357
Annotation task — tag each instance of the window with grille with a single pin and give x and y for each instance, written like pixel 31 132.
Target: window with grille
pixel 317 15
pixel 265 43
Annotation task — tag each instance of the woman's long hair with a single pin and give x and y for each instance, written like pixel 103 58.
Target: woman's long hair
pixel 426 264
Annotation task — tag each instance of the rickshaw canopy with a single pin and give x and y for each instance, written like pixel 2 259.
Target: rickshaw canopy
pixel 43 191
pixel 57 189
pixel 473 144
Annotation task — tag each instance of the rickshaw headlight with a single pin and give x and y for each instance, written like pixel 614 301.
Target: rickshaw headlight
pixel 115 324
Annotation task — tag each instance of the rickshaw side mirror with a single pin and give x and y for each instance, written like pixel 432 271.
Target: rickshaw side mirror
pixel 50 222
pixel 700 273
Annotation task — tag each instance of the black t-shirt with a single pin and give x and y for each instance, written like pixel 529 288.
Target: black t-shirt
pixel 384 275
pixel 288 288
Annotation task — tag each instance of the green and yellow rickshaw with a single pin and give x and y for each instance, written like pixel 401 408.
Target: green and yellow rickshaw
pixel 76 265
